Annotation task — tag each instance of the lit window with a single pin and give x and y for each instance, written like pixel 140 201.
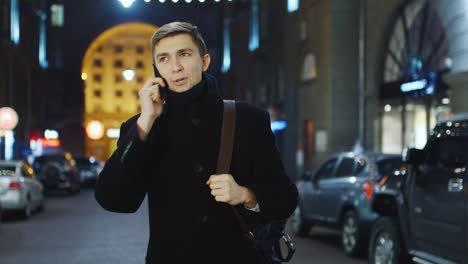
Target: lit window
pixel 254 41
pixel 293 5
pixel 56 18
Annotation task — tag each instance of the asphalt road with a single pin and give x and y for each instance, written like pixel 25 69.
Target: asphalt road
pixel 75 230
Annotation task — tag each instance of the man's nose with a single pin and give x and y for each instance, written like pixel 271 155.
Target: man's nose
pixel 176 65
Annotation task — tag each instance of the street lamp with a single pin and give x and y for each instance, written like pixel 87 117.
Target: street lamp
pixel 128 74
pixel 126 3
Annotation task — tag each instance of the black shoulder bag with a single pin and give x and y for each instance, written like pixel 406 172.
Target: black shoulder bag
pixel 265 238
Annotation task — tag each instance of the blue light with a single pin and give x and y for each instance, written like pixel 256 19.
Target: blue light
pixel 254 41
pixel 14 22
pixel 413 86
pixel 293 5
pixel 227 47
pixel 43 42
pixel 278 125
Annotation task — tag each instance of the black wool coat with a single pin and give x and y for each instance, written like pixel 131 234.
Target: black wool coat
pixel 187 225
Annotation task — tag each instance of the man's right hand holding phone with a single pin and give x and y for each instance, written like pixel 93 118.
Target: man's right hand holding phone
pixel 151 105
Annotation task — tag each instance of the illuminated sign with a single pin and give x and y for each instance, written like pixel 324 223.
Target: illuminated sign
pixel 413 86
pixel 95 130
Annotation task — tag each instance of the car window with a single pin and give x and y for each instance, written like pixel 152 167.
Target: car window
pixel 391 167
pixel 326 170
pixel 346 167
pixel 449 153
pixel 361 168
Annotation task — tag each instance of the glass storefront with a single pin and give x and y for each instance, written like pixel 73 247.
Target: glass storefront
pixel 408 126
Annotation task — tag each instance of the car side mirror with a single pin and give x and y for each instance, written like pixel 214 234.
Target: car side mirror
pixel 414 156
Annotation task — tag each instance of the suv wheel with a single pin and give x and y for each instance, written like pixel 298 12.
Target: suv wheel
pixel 385 243
pixel 299 225
pixel 350 236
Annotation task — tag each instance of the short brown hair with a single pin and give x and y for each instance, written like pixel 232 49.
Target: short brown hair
pixel 176 28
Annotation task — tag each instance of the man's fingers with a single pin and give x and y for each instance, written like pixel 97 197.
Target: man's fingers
pixel 218 178
pixel 218 185
pixel 218 192
pixel 154 81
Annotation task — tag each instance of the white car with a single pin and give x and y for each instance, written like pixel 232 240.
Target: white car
pixel 20 191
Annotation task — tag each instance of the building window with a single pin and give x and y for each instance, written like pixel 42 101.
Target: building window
pixel 293 5
pixel 99 49
pixel 118 93
pixel 139 79
pixel 254 41
pixel 57 17
pixel 118 64
pixel 118 49
pixel 97 108
pixel 97 78
pixel 97 93
pixel 97 63
pixel 227 47
pixel 139 64
pixel 140 49
pixel 118 78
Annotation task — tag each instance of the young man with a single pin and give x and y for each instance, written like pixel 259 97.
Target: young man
pixel 170 151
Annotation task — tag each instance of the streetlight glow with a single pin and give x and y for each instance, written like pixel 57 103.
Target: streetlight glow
pixel 127 3
pixel 147 1
pixel 128 74
pixel 175 1
pixel 188 1
pixel 162 1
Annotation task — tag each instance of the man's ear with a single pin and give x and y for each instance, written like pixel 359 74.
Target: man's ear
pixel 206 60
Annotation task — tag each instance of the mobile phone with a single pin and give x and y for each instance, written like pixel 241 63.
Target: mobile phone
pixel 162 90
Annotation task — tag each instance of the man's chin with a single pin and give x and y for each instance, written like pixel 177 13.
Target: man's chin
pixel 180 89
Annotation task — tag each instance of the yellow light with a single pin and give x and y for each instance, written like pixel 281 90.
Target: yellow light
pixel 84 76
pixel 95 130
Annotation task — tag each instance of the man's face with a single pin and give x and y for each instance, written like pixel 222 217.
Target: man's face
pixel 179 62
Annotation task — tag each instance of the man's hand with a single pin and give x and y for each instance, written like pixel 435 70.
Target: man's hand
pixel 225 189
pixel 151 105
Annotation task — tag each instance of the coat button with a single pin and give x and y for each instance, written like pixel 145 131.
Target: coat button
pixel 198 168
pixel 196 121
pixel 202 218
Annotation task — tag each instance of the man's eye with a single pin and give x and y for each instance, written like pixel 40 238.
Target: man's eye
pixel 163 59
pixel 185 54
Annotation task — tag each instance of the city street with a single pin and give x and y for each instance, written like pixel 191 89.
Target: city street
pixel 75 230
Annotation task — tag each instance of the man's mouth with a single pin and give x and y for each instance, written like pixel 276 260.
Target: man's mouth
pixel 180 81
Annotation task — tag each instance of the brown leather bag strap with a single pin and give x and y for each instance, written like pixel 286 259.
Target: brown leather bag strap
pixel 225 153
pixel 227 137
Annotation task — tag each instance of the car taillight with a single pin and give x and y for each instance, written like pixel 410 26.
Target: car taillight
pixel 368 190
pixel 16 185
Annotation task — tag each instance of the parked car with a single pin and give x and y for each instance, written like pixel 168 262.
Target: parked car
pixel 58 171
pixel 88 168
pixel 340 195
pixel 21 191
pixel 426 221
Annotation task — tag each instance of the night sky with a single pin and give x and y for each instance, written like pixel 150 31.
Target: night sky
pixel 86 19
